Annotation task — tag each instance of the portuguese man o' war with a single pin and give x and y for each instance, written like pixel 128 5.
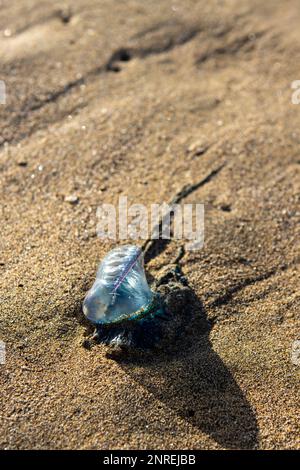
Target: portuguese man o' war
pixel 127 314
pixel 120 292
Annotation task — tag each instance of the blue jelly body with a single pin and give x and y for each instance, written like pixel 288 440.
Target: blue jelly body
pixel 120 291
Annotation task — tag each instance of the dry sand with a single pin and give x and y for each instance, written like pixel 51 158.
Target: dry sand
pixel 81 119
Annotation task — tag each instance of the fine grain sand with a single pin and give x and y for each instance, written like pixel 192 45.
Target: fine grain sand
pixel 109 98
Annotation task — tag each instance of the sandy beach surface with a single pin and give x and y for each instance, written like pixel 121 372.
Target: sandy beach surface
pixel 118 98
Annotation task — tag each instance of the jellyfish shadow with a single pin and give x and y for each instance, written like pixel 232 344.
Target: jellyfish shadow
pixel 192 380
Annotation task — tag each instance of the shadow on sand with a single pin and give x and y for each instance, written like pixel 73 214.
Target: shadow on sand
pixel 193 381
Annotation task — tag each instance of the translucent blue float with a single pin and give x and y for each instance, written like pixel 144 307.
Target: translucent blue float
pixel 120 292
